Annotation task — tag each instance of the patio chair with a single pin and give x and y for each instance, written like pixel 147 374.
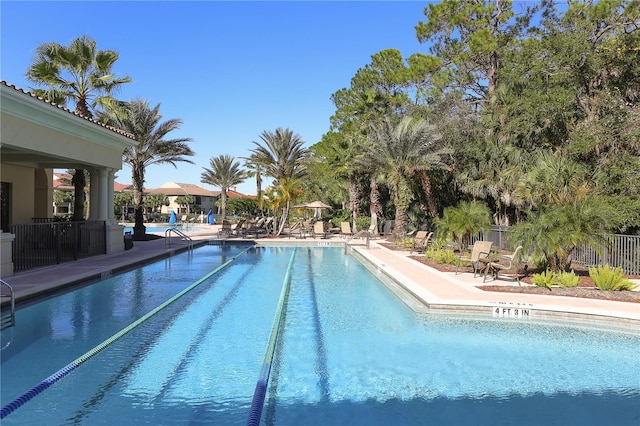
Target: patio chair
pixel 295 230
pixel 479 252
pixel 320 229
pixel 257 229
pixel 508 262
pixel 421 241
pixel 225 229
pixel 236 229
pixel 345 229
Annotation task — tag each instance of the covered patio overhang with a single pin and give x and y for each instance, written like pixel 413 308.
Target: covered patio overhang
pixel 36 137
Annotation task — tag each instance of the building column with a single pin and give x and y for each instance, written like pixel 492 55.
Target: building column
pixel 94 194
pixel 99 194
pixel 104 194
pixel 111 173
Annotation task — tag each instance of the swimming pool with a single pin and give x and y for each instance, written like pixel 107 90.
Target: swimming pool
pixel 350 352
pixel 159 228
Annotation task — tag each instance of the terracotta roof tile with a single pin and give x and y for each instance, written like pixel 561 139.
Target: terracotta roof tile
pixel 33 95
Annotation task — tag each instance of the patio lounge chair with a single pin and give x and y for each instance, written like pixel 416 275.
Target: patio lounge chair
pixel 237 228
pixel 320 229
pixel 253 228
pixel 225 229
pixel 295 230
pixel 479 252
pixel 259 229
pixel 421 241
pixel 506 263
pixel 345 229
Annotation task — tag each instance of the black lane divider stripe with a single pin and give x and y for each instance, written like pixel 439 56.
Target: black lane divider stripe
pixel 57 376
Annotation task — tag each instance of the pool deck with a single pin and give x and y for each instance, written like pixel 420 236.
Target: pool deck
pixel 445 292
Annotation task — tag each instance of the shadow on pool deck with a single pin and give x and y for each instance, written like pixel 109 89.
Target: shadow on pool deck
pixel 440 291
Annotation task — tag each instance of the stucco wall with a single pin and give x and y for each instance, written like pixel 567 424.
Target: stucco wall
pixel 22 192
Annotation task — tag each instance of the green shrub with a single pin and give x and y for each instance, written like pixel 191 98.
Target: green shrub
pixel 546 279
pixel 541 262
pixel 363 222
pixel 549 278
pixel 606 278
pixel 441 255
pixel 568 279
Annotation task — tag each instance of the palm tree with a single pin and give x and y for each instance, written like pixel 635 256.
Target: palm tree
pixel 144 124
pixel 494 174
pixel 282 157
pixel 556 231
pixel 81 74
pixel 224 173
pixel 462 221
pixel 403 149
pixel 255 169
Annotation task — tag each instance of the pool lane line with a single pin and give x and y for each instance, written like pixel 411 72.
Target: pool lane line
pixel 260 392
pixel 57 376
pixel 321 350
pixel 81 413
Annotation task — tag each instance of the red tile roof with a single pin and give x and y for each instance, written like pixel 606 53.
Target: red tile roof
pixel 33 95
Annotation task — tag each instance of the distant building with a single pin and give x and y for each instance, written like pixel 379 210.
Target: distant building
pixel 204 198
pixel 62 182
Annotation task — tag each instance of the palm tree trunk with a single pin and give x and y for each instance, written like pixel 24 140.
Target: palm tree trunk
pixel 354 198
pixel 428 193
pixel 401 201
pixel 374 198
pixel 139 230
pixel 223 203
pixel 79 183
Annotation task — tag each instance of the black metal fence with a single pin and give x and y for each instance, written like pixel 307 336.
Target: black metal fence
pixel 620 250
pixel 42 244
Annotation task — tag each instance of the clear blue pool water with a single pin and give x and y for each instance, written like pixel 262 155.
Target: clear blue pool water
pixel 162 228
pixel 350 352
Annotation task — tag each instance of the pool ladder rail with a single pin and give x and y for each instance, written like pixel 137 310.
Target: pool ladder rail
pixel 364 232
pixel 8 317
pixel 182 235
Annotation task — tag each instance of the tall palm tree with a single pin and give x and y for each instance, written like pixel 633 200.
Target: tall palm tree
pixel 255 169
pixel 282 157
pixel 143 122
pixel 224 173
pixel 81 74
pixel 402 149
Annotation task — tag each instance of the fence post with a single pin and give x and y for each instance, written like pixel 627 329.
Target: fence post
pixel 58 243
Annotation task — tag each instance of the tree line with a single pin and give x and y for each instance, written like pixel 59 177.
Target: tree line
pixel 527 109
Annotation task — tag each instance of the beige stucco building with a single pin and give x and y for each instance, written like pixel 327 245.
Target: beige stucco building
pixel 36 137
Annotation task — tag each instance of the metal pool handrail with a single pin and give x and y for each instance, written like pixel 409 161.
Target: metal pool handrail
pixel 261 386
pixel 9 320
pixel 183 236
pixel 40 387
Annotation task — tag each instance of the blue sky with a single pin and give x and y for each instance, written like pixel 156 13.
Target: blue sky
pixel 228 70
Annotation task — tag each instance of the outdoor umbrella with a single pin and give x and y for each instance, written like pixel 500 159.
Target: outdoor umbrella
pixel 210 219
pixel 173 218
pixel 317 206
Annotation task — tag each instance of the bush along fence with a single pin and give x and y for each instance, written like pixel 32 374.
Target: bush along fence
pixel 620 250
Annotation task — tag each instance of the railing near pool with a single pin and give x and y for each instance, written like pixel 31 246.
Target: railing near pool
pixel 182 235
pixel 618 250
pixel 43 244
pixel 8 319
